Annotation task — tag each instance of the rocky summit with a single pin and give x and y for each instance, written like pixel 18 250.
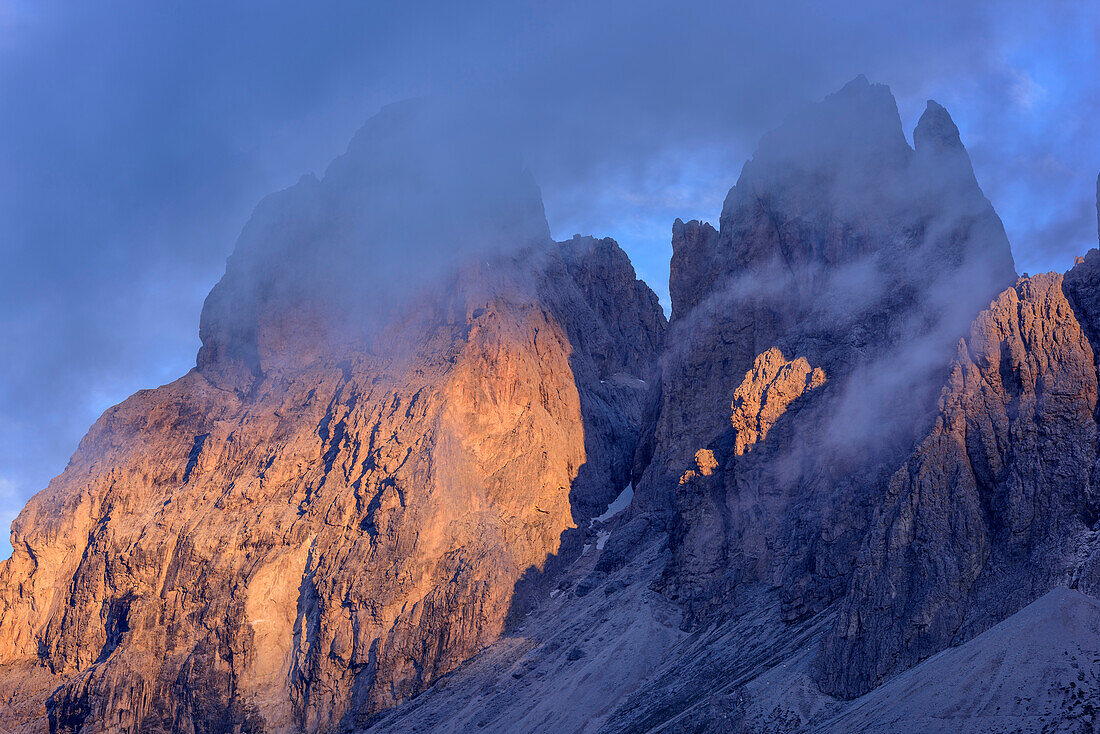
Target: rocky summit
pixel 434 471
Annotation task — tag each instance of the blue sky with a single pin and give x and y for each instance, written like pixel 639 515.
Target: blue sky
pixel 136 137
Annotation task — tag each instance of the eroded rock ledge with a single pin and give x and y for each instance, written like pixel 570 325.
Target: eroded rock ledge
pixel 767 391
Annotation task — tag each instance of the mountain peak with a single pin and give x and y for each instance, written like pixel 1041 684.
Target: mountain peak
pixel 420 190
pixel 326 450
pixel 936 129
pixel 860 80
pixel 859 89
pixel 859 122
pixel 846 158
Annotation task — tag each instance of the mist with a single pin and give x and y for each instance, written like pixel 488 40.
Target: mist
pixel 135 142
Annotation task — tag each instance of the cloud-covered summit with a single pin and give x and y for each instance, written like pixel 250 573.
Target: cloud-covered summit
pixel 136 139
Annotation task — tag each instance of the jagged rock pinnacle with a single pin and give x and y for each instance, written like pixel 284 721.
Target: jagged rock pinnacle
pixel 400 471
pixel 936 129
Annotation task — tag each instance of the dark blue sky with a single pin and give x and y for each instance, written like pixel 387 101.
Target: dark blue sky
pixel 136 137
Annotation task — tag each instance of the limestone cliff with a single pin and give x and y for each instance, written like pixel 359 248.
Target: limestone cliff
pixel 363 478
pixel 870 442
pixel 997 504
pixel 434 471
pixel 767 391
pixel 858 259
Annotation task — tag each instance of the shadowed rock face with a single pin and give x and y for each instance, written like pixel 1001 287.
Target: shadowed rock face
pixel 826 535
pixel 998 503
pixel 861 441
pixel 326 515
pixel 841 249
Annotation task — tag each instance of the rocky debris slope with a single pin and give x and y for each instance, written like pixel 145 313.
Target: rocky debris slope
pixel 857 260
pixel 1034 672
pixel 1038 670
pixel 340 504
pixel 570 664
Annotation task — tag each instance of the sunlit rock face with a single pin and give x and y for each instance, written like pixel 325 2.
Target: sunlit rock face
pixel 767 391
pixel 862 260
pixel 377 460
pixel 381 500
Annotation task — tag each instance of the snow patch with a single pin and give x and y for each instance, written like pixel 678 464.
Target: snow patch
pixel 617 505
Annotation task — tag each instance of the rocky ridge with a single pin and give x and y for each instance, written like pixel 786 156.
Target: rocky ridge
pixel 789 603
pixel 860 449
pixel 843 248
pixel 996 506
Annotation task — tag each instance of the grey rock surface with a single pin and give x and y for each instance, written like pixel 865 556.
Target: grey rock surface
pixel 996 505
pixel 853 485
pixel 1037 671
pixel 844 248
